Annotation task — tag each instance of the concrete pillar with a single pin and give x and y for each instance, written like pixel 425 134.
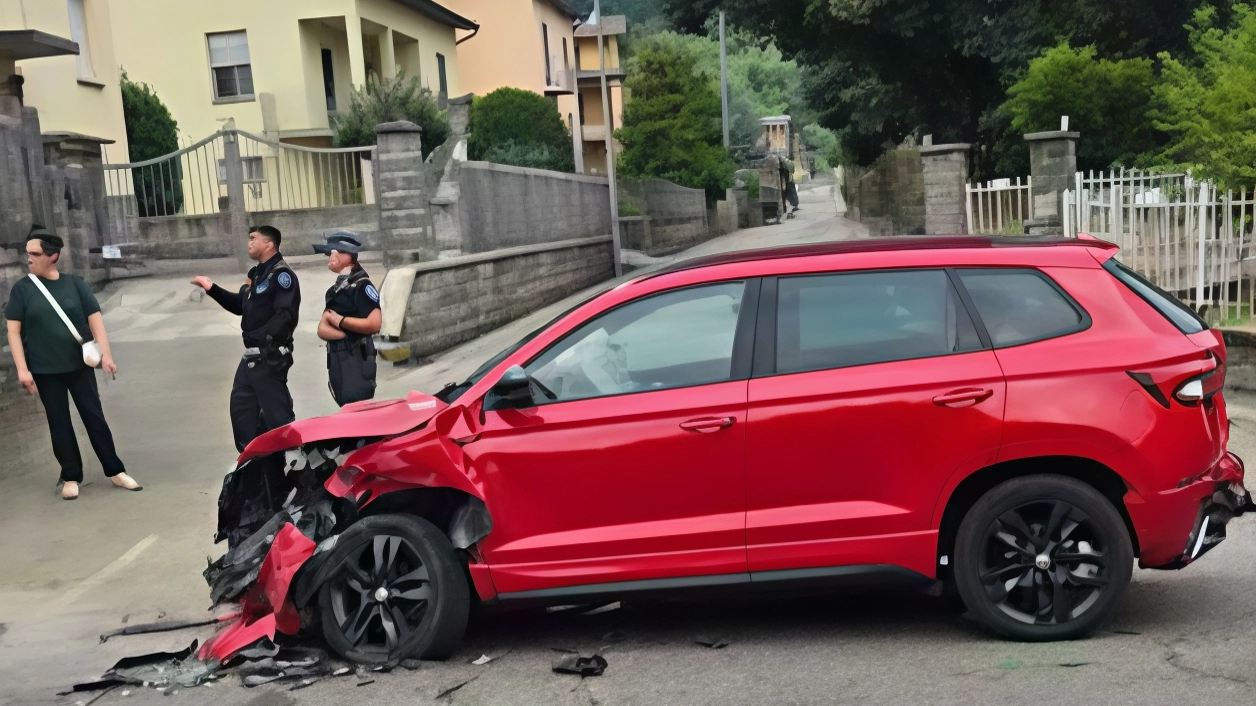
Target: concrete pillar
pixel 73 168
pixel 459 114
pixel 1053 166
pixel 237 214
pixel 387 56
pixel 357 57
pixel 945 169
pixel 405 219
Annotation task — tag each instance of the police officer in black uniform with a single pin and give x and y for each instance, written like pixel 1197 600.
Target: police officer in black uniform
pixel 267 304
pixel 351 317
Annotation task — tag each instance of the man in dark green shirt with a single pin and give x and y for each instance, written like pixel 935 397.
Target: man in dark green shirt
pixel 49 359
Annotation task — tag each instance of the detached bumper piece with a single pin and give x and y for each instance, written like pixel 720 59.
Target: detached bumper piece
pixel 1227 502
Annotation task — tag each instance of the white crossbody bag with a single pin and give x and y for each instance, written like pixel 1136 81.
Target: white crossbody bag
pixel 91 351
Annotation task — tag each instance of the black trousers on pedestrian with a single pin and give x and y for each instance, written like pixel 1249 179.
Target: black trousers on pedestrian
pixel 55 391
pixel 260 400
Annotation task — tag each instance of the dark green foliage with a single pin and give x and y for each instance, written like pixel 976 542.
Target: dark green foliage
pixel 151 133
pixel 672 124
pixel 388 101
pixel 510 123
pixel 1105 100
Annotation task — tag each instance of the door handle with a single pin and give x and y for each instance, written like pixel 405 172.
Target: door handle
pixel 706 425
pixel 958 396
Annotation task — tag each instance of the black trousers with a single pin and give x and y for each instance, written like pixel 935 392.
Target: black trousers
pixel 55 391
pixel 260 400
pixel 351 370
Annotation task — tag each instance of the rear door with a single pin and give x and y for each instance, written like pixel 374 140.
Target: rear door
pixel 870 390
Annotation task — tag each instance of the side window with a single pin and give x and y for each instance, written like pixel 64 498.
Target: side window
pixel 839 320
pixel 674 339
pixel 1020 305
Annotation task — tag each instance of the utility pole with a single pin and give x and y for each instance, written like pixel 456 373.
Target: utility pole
pixel 610 142
pixel 723 80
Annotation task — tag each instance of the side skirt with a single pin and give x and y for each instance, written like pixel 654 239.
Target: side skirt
pixel 822 577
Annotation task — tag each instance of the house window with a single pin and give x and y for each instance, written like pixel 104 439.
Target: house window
pixel 566 62
pixel 229 61
pixel 545 50
pixel 254 170
pixel 329 81
pixel 78 32
pixel 440 70
pixel 580 100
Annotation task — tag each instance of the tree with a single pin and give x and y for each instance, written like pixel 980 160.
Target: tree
pixel 511 123
pixel 151 132
pixel 824 142
pixel 671 127
pixel 387 101
pixel 1105 100
pixel 880 70
pixel 1206 106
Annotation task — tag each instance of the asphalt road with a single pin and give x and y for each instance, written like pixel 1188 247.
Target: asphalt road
pixel 71 571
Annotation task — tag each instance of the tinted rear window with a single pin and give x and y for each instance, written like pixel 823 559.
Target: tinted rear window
pixel 1179 314
pixel 1020 305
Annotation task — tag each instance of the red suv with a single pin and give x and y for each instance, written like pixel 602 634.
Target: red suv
pixel 1020 418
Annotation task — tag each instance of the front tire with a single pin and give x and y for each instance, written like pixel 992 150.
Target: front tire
pixel 399 592
pixel 1041 558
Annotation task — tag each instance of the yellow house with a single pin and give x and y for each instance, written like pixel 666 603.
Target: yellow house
pixel 73 93
pixel 525 44
pixel 280 67
pixel 589 84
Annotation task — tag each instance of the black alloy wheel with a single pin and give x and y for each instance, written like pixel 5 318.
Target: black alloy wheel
pixel 399 592
pixel 1042 558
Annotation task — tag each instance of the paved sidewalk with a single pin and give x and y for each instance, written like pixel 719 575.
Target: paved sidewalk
pixel 73 570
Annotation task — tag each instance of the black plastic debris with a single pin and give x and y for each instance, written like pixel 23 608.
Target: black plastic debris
pixel 161 669
pixel 583 666
pixel 163 626
pixel 365 683
pixel 715 643
pixel 453 688
pixel 282 663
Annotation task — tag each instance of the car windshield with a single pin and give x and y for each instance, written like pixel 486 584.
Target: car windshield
pixel 452 392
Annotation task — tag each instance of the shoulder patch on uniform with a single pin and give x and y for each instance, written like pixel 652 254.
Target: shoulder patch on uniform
pixel 261 287
pixel 372 292
pixel 285 280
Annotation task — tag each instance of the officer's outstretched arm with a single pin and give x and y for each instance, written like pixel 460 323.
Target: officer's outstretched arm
pixel 231 301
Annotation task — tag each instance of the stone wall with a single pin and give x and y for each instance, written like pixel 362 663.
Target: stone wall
pixel 889 195
pixel 455 300
pixel 501 206
pixel 945 170
pixel 678 216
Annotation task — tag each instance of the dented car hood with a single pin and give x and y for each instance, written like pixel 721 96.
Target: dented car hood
pixel 358 420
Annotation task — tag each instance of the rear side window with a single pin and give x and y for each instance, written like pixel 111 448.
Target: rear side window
pixel 840 320
pixel 1179 314
pixel 1020 305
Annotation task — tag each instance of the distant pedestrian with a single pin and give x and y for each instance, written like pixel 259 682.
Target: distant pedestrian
pixel 267 304
pixel 352 316
pixel 52 317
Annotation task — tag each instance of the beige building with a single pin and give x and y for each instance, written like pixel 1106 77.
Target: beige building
pixel 525 44
pixel 282 68
pixel 589 85
pixel 72 93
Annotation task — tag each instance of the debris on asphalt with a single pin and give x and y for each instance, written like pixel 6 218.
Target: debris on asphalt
pixel 1073 664
pixel 482 659
pixel 563 650
pixel 454 688
pixel 372 681
pixel 341 672
pixel 604 609
pixel 303 684
pixel 561 608
pixel 410 664
pixel 158 669
pixel 583 666
pixel 715 643
pixel 165 626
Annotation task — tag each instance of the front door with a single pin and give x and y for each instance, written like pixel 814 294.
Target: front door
pixel 877 389
pixel 630 463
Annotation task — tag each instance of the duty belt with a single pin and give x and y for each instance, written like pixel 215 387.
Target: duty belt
pixel 254 352
pixel 347 344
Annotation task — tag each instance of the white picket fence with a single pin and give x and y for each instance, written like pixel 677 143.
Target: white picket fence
pixel 1184 235
pixel 1000 207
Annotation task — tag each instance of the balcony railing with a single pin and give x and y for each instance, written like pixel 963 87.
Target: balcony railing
pixel 561 81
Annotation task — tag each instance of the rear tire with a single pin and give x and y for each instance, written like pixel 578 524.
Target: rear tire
pixel 1042 558
pixel 399 592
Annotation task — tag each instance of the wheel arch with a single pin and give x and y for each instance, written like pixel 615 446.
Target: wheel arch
pixel 1093 473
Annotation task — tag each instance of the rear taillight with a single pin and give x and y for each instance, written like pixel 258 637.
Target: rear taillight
pixel 1202 387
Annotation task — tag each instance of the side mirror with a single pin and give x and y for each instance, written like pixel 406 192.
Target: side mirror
pixel 514 387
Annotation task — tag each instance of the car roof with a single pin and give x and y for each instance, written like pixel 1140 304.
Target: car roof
pixel 887 244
